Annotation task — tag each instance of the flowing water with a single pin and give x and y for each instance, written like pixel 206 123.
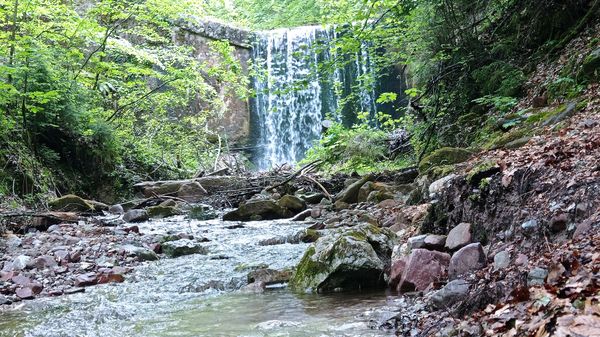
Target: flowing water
pixel 293 97
pixel 199 295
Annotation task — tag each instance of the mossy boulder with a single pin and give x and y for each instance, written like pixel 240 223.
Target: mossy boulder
pixel 71 203
pixel 258 210
pixel 351 258
pixel 590 68
pixel 292 203
pixel 481 171
pixel 183 247
pixel 350 193
pixel 444 156
pixel 202 212
pixel 501 141
pixel 160 212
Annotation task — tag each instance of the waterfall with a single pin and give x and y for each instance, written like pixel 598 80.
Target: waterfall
pixel 293 98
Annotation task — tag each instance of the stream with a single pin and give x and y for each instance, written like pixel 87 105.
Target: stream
pixel 201 295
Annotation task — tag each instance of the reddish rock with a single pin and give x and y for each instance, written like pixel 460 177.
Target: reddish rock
pixel 36 287
pixel 44 261
pixel 25 293
pixel 110 278
pixel 396 272
pixel 582 229
pixel 469 258
pixel 85 280
pixel 521 260
pixel 459 236
pixel 422 269
pixel 6 275
pixel 21 280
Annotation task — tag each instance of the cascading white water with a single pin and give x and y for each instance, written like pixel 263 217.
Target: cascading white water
pixel 293 98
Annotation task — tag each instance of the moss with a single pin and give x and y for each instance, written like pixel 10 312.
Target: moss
pixel 70 203
pixel 311 235
pixel 506 138
pixel 306 270
pixel 444 156
pixel 544 115
pixel 440 171
pixel 484 183
pixel 479 169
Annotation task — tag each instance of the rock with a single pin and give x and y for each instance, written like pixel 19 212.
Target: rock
pixel 116 209
pixel 160 212
pixel 590 68
pixel 378 196
pixel 192 191
pixel 21 262
pixel 84 280
pixel 4 300
pixel 111 278
pixel 583 228
pixel 530 226
pixel 269 276
pixel 256 288
pixel 341 205
pixel 44 261
pixel 302 215
pixel 521 260
pixel 452 293
pixel 316 212
pixel 183 247
pixel 364 191
pixel 350 194
pixel 313 198
pixel 143 254
pixel 21 280
pixel 434 242
pixel 396 272
pixel 98 206
pixel 459 236
pixel 422 269
pixel 400 251
pixel 469 258
pixel 202 212
pixel 417 241
pixel 257 210
pixel 558 223
pixel 537 276
pixel 70 203
pixel 310 235
pixel 444 156
pixel 292 203
pixel 348 258
pixel 25 293
pixel 439 185
pixel 136 215
pixel 501 260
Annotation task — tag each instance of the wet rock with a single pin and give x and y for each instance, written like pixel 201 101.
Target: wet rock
pixel 293 203
pixel 258 210
pixel 143 254
pixel 396 272
pixel 111 278
pixel 302 215
pixel 501 260
pixel 255 287
pixel 159 212
pixel 44 261
pixel 70 203
pixel 469 258
pixel 183 247
pixel 434 242
pixel 269 276
pixel 85 280
pixel 313 198
pixel 348 258
pixel 417 241
pixel 350 194
pixel 25 293
pixel 537 276
pixel 422 269
pixel 459 236
pixel 316 212
pixel 4 300
pixel 116 209
pixel 379 196
pixel 341 205
pixel 136 215
pixel 558 223
pixel 452 293
pixel 202 212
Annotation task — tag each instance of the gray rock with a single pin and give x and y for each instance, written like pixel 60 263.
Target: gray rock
pixel 116 209
pixel 183 247
pixel 136 215
pixel 537 276
pixel 435 242
pixel 258 210
pixel 439 185
pixel 417 241
pixel 501 260
pixel 144 254
pixel 4 300
pixel 21 262
pixel 469 258
pixel 459 236
pixel 269 276
pixel 530 225
pixel 302 215
pixel 453 292
pixel 44 261
pixel 293 203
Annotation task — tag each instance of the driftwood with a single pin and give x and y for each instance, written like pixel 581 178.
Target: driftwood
pixel 302 171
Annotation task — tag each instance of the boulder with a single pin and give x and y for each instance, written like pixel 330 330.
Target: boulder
pixel 434 242
pixel 590 69
pixel 183 247
pixel 160 212
pixel 85 280
pixel 459 236
pixel 202 212
pixel 444 156
pixel 143 254
pixel 70 203
pixel 423 268
pixel 116 209
pixel 258 210
pixel 501 260
pixel 192 191
pixel 98 206
pixel 44 261
pixel 417 241
pixel 439 185
pixel 364 191
pixel 452 293
pixel 379 196
pixel 292 203
pixel 350 193
pixel 302 215
pixel 341 205
pixel 469 258
pixel 349 258
pixel 396 272
pixel 313 198
pixel 136 215
pixel 269 276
